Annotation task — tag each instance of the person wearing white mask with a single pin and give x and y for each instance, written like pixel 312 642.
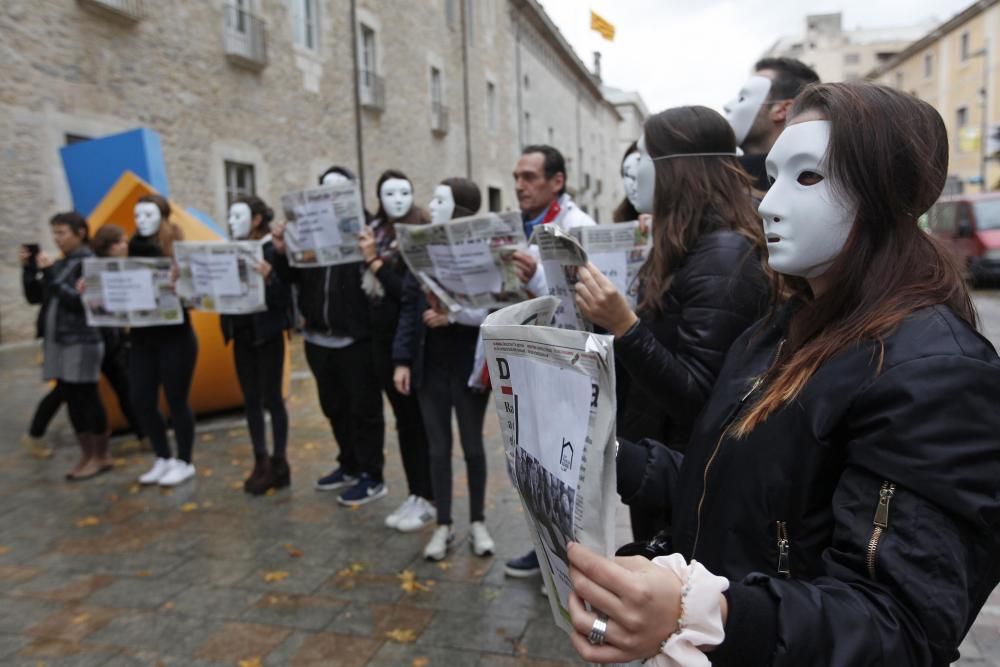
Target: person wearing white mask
pixel 338 348
pixel 759 110
pixel 383 283
pixel 259 350
pixel 703 284
pixel 162 356
pixel 837 505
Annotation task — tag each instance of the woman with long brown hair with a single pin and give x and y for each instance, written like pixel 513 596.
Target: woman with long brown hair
pixel 838 503
pixel 701 287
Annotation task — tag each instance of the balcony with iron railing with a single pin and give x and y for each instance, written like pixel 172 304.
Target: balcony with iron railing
pixel 244 38
pixel 439 118
pixel 127 11
pixel 372 90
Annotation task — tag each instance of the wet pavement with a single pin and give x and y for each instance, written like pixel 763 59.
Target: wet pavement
pixel 110 573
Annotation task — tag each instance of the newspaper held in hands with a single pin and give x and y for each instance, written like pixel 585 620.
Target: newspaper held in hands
pixel 469 259
pixel 618 250
pixel 554 392
pixel 323 225
pixel 221 276
pixel 130 292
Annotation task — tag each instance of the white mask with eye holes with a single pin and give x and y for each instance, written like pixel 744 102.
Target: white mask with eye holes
pixel 807 218
pixel 335 178
pixel 147 218
pixel 239 220
pixel 396 195
pixel 742 110
pixel 630 170
pixel 645 179
pixel 442 206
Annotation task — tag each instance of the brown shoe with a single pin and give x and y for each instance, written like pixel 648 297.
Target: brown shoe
pixel 104 460
pixel 261 478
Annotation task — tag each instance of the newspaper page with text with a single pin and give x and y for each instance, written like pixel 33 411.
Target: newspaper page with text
pixel 554 392
pixel 323 225
pixel 221 276
pixel 130 292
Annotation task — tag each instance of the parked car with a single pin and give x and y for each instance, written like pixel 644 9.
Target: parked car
pixel 970 225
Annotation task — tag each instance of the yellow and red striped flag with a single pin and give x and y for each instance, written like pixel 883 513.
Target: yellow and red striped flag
pixel 602 26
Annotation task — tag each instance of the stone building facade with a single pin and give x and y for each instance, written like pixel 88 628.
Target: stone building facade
pixel 266 94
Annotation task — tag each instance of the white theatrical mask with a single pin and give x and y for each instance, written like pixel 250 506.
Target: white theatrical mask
pixel 335 178
pixel 742 110
pixel 630 171
pixel 806 218
pixel 239 220
pixel 645 180
pixel 442 206
pixel 396 195
pixel 147 218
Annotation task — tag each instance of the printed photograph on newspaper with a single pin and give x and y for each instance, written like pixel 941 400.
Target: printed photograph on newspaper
pixel 323 225
pixel 221 276
pixel 134 292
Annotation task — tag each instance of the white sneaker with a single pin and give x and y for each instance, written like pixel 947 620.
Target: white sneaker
pixel 156 473
pixel 421 513
pixel 479 537
pixel 392 520
pixel 437 548
pixel 178 473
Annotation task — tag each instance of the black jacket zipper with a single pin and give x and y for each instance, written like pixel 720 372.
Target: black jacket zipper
pixel 879 524
pixel 784 558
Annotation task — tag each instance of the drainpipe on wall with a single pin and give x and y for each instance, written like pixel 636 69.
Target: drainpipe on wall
pixel 517 82
pixel 465 92
pixel 360 146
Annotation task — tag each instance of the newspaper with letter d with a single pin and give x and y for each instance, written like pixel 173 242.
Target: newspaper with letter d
pixel 130 292
pixel 554 392
pixel 323 225
pixel 221 276
pixel 466 262
pixel 618 250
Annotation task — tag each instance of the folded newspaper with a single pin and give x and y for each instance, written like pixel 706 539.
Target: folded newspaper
pixel 323 225
pixel 618 250
pixel 130 292
pixel 221 276
pixel 554 392
pixel 466 262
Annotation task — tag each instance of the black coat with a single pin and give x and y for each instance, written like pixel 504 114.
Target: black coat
pixel 57 284
pixel 330 298
pixel 672 356
pixel 859 525
pixel 270 323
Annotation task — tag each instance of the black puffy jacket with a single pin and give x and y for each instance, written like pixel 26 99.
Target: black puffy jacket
pixel 672 356
pixel 57 284
pixel 330 298
pixel 859 525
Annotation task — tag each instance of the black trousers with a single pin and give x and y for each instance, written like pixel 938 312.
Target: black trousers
pixel 260 369
pixel 351 399
pixel 443 387
pixel 165 360
pixel 409 425
pixel 86 412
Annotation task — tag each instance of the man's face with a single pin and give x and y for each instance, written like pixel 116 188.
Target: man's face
pixel 534 191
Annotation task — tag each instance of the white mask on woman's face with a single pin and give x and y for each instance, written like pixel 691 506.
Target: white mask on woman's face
pixel 442 206
pixel 239 220
pixel 335 178
pixel 147 218
pixel 806 218
pixel 630 169
pixel 645 180
pixel 742 110
pixel 396 195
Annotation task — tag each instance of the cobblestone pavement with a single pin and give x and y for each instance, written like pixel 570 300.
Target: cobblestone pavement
pixel 108 573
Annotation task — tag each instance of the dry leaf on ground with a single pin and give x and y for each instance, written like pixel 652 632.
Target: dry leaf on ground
pixel 420 662
pixel 250 662
pixel 293 551
pixel 410 584
pixel 402 635
pixel 275 576
pixel 87 521
pixel 189 507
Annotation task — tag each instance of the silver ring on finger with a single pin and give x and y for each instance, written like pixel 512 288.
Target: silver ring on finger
pixel 598 630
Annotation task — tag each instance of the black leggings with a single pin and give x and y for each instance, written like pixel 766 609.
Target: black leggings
pixel 164 359
pixel 260 369
pixel 86 412
pixel 444 386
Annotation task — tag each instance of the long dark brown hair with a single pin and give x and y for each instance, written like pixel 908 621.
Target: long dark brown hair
pixel 466 194
pixel 625 211
pixel 693 195
pixel 889 151
pixel 168 232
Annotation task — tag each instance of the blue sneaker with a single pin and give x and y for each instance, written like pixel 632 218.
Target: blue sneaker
pixel 523 567
pixel 365 491
pixel 335 480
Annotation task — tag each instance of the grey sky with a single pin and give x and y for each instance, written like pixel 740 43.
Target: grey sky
pixel 676 52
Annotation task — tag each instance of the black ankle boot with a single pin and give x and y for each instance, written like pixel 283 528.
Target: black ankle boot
pixel 260 463
pixel 280 471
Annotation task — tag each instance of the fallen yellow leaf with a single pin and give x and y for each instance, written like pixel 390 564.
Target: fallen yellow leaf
pixel 168 605
pixel 134 489
pixel 207 437
pixel 293 551
pixel 120 462
pixel 252 662
pixel 236 485
pixel 275 576
pixel 189 507
pixel 271 491
pixel 444 565
pixel 420 662
pixel 410 583
pixel 207 472
pixel 402 635
pixel 87 521
pixel 82 618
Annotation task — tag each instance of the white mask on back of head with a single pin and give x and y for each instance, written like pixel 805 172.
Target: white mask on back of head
pixel 396 195
pixel 240 218
pixel 147 218
pixel 645 180
pixel 630 170
pixel 442 206
pixel 335 178
pixel 807 219
pixel 742 110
